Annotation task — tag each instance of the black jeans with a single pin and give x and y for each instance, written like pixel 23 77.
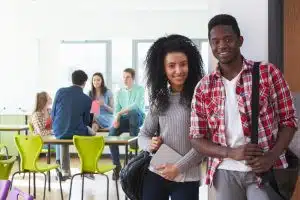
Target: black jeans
pixel 158 188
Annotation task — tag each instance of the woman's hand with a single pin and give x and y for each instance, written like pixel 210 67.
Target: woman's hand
pixel 168 171
pixel 155 143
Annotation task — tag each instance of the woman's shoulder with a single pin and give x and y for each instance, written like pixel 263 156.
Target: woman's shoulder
pixel 108 93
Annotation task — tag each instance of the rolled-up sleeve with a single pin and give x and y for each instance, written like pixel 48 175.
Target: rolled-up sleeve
pixel 199 126
pixel 283 99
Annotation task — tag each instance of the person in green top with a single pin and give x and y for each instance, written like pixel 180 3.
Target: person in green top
pixel 129 114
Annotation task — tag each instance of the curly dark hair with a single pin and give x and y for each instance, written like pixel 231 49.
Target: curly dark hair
pixel 156 78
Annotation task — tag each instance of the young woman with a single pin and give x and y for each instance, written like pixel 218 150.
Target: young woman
pixel 104 97
pixel 41 119
pixel 174 67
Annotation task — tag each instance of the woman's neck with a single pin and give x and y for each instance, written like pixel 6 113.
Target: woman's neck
pixel 98 92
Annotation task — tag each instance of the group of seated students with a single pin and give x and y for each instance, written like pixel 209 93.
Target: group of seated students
pixel 71 113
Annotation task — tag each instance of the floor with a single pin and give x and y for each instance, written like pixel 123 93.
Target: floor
pixel 93 189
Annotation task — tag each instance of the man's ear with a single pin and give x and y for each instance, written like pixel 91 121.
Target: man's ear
pixel 241 41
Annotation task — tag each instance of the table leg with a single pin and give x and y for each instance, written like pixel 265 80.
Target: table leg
pixel 48 173
pixel 126 162
pixel 19 158
pixel 126 155
pixel 26 121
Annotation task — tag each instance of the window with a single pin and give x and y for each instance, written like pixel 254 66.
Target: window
pixel 90 56
pixel 122 58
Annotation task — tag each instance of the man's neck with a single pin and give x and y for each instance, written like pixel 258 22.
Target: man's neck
pixel 231 70
pixel 78 86
pixel 128 87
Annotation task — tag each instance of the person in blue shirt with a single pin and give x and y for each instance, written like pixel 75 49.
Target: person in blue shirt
pixel 104 98
pixel 71 115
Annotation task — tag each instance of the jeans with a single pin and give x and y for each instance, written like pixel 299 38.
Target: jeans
pixel 158 188
pixel 128 123
pixel 65 156
pixel 235 185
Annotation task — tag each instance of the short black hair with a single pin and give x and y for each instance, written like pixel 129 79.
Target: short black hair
pixel 224 19
pixel 130 71
pixel 79 77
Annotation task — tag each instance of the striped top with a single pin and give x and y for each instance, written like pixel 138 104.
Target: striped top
pixel 174 126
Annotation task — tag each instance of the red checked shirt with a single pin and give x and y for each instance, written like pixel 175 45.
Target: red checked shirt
pixel 275 104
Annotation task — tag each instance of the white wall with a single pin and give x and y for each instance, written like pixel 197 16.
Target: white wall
pixel 252 17
pixel 33 31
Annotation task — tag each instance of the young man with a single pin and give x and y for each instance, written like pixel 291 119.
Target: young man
pixel 129 113
pixel 221 118
pixel 71 115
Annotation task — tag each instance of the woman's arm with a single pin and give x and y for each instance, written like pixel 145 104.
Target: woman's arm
pixel 39 124
pixel 148 131
pixel 110 106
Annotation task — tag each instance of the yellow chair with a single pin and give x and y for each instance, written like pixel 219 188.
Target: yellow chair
pixel 6 164
pixel 44 149
pixel 90 149
pixel 29 148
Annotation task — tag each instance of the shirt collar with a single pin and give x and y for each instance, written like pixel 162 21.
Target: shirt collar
pixel 247 65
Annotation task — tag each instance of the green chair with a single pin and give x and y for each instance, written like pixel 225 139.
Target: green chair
pixel 90 149
pixel 44 149
pixel 6 164
pixel 29 148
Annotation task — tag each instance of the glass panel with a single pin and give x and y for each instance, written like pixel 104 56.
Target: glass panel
pixel 142 49
pixel 121 59
pixel 204 54
pixel 90 57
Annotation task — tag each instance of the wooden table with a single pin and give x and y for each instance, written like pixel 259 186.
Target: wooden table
pixel 109 140
pixel 14 127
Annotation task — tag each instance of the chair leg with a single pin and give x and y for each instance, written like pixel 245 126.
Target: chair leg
pixel 45 185
pixel 82 187
pixel 29 183
pixel 117 188
pixel 59 178
pixel 107 186
pixel 12 178
pixel 70 191
pixel 34 188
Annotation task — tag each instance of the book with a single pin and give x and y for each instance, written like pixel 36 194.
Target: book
pixel 95 109
pixel 165 155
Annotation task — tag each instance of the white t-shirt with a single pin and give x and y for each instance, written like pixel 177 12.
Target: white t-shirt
pixel 233 126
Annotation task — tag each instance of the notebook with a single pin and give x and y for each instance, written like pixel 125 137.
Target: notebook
pixel 164 155
pixel 95 109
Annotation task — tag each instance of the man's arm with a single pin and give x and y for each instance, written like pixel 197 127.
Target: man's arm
pixel 201 137
pixel 86 115
pixel 286 112
pixel 139 102
pixel 56 99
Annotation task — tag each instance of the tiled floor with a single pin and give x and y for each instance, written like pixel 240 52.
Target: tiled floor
pixel 93 189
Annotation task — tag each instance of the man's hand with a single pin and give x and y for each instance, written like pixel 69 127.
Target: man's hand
pixel 155 143
pixel 245 152
pixel 116 123
pixel 168 171
pixel 262 163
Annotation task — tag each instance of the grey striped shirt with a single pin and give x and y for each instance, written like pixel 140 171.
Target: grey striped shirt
pixel 174 127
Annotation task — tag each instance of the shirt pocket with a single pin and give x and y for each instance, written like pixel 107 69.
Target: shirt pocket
pixel 213 111
pixel 263 100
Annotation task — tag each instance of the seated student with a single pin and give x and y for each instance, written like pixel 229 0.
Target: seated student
pixel 104 98
pixel 71 115
pixel 41 119
pixel 129 114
